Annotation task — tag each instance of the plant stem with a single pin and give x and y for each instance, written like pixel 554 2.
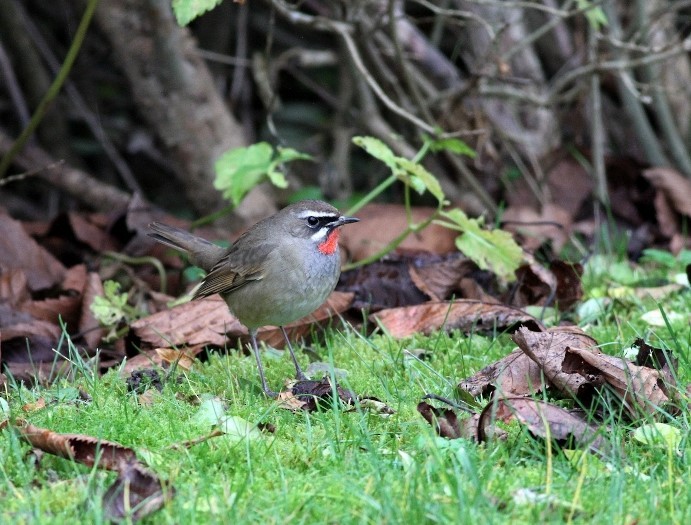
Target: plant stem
pixel 54 88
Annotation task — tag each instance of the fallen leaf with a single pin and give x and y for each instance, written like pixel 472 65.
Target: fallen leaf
pixel 465 315
pixel 135 494
pixel 20 250
pixel 659 359
pixel 182 358
pixel 513 375
pixel 446 422
pixel 548 350
pixel 656 434
pixel 640 388
pixel 543 420
pixel 382 223
pixel 209 322
pixel 310 395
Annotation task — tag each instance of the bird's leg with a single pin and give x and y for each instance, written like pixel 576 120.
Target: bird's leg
pixel 299 374
pixel 255 349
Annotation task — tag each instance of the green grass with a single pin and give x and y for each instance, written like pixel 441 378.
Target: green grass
pixel 350 467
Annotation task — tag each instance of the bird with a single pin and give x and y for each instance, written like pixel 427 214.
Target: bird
pixel 280 270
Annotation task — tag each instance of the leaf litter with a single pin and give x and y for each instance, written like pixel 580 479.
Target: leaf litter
pixel 409 292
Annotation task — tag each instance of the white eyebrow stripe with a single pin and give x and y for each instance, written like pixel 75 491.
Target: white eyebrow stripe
pixel 311 213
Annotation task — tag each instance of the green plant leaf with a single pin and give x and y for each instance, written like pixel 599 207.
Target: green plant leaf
pixel 187 10
pixel 239 170
pixel 451 144
pixel 377 149
pixel 494 250
pixel 594 14
pixel 656 434
pixel 422 178
pixel 410 173
pixel 110 308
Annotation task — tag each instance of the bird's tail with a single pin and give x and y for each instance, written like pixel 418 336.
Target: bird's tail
pixel 202 253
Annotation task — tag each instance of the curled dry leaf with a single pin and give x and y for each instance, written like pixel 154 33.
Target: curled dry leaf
pixel 543 420
pixel 559 286
pixel 136 492
pixel 548 350
pixel 640 388
pixel 513 375
pixel 446 422
pixel 463 315
pixel 383 284
pixel 311 395
pixel 661 360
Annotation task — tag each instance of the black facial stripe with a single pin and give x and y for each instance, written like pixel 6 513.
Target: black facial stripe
pixel 321 222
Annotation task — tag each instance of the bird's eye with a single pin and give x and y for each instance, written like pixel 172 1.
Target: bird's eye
pixel 312 221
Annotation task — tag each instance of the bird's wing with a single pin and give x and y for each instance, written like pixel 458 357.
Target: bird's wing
pixel 243 263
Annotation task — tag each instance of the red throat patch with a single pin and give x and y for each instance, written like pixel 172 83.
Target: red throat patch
pixel 328 247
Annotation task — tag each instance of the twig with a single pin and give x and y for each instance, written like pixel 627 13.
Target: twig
pixel 54 87
pixel 632 104
pixel 597 128
pixel 82 107
pixel 13 88
pixel 80 185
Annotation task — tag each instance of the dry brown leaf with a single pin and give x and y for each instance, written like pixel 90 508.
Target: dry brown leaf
pixel 135 494
pixel 37 405
pixel 20 250
pixel 662 360
pixel 462 314
pixel 639 387
pixel 182 358
pixel 81 448
pixel 513 375
pixel 440 275
pixel 675 187
pixel 543 420
pixel 446 422
pixel 67 305
pixel 559 285
pixel 548 349
pixel 382 223
pixel 383 284
pixel 205 321
pixel 208 321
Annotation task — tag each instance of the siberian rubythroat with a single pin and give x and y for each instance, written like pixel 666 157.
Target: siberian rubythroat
pixel 281 269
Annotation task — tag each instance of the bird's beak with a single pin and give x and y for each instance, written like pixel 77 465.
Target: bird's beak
pixel 344 220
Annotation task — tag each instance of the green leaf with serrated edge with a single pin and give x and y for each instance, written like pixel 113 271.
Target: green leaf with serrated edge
pixel 452 145
pixel 493 250
pixel 187 10
pixel 378 150
pixel 239 170
pixel 429 181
